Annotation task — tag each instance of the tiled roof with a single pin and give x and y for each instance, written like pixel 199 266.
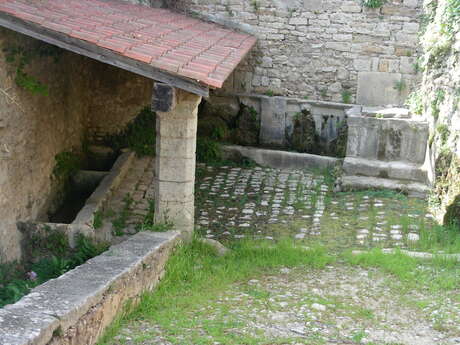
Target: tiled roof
pixel 172 42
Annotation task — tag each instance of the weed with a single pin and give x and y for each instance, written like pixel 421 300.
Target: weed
pixel 373 3
pixel 98 219
pixel 149 221
pixel 119 223
pixel 346 96
pixel 269 93
pixel 20 57
pixel 15 283
pixel 255 5
pixel 438 99
pixel 139 135
pixel 444 132
pixel 323 93
pixel 415 102
pixel 208 150
pixel 400 86
pixel 67 164
pixel 195 275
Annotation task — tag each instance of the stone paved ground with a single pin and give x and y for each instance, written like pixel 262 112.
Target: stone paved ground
pixel 341 304
pixel 234 202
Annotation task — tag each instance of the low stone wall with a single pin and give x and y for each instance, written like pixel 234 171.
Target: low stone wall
pixel 76 307
pixel 281 159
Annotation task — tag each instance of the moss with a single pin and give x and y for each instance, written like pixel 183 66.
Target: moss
pixel 139 135
pixel 304 137
pixel 214 128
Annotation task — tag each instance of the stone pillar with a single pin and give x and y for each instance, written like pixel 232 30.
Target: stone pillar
pixel 176 126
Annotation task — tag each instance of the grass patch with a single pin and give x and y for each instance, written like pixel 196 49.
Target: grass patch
pixel 439 238
pixel 436 275
pixel 195 277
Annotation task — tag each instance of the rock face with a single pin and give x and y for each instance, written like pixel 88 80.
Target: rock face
pixel 438 100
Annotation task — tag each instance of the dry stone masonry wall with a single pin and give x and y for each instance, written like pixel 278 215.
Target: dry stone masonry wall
pixel 322 49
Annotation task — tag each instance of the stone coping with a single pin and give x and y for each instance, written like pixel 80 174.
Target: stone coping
pixel 281 159
pixel 325 104
pixel 76 307
pixel 109 183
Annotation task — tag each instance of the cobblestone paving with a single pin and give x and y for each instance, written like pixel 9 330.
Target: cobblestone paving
pixel 234 202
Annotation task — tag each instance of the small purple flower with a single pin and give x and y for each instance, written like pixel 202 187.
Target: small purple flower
pixel 31 275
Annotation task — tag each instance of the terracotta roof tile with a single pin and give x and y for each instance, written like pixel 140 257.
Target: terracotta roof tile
pixel 170 41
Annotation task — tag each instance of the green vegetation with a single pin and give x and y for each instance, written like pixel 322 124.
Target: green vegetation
pixel 436 102
pixel 16 280
pixel 67 164
pixel 415 102
pixel 208 150
pixel 98 220
pixel 149 221
pixel 373 3
pixel 195 274
pixel 20 57
pixel 436 275
pixel 139 135
pixel 346 96
pixel 450 20
pixel 443 132
pixel 119 223
pixel 400 86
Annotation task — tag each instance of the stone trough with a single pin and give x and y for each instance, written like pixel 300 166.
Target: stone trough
pixel 386 149
pixel 84 220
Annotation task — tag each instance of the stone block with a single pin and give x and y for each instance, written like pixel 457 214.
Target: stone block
pixel 376 88
pixel 163 97
pixel 176 170
pixel 175 147
pixel 273 120
pixel 313 5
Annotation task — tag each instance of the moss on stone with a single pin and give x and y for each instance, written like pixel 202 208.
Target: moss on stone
pixel 304 137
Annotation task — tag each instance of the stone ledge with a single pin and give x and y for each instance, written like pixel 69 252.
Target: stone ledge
pixel 393 170
pixel 282 159
pixel 76 307
pixel 108 184
pixel 413 189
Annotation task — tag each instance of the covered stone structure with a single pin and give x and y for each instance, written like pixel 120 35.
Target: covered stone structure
pixel 184 56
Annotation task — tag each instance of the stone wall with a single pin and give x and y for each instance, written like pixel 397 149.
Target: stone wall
pixel 321 49
pixel 85 100
pixel 438 100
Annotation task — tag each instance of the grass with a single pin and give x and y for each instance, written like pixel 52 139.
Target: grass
pixel 195 276
pixel 435 275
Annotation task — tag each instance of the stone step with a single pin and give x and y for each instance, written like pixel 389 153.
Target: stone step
pixel 390 170
pixel 413 189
